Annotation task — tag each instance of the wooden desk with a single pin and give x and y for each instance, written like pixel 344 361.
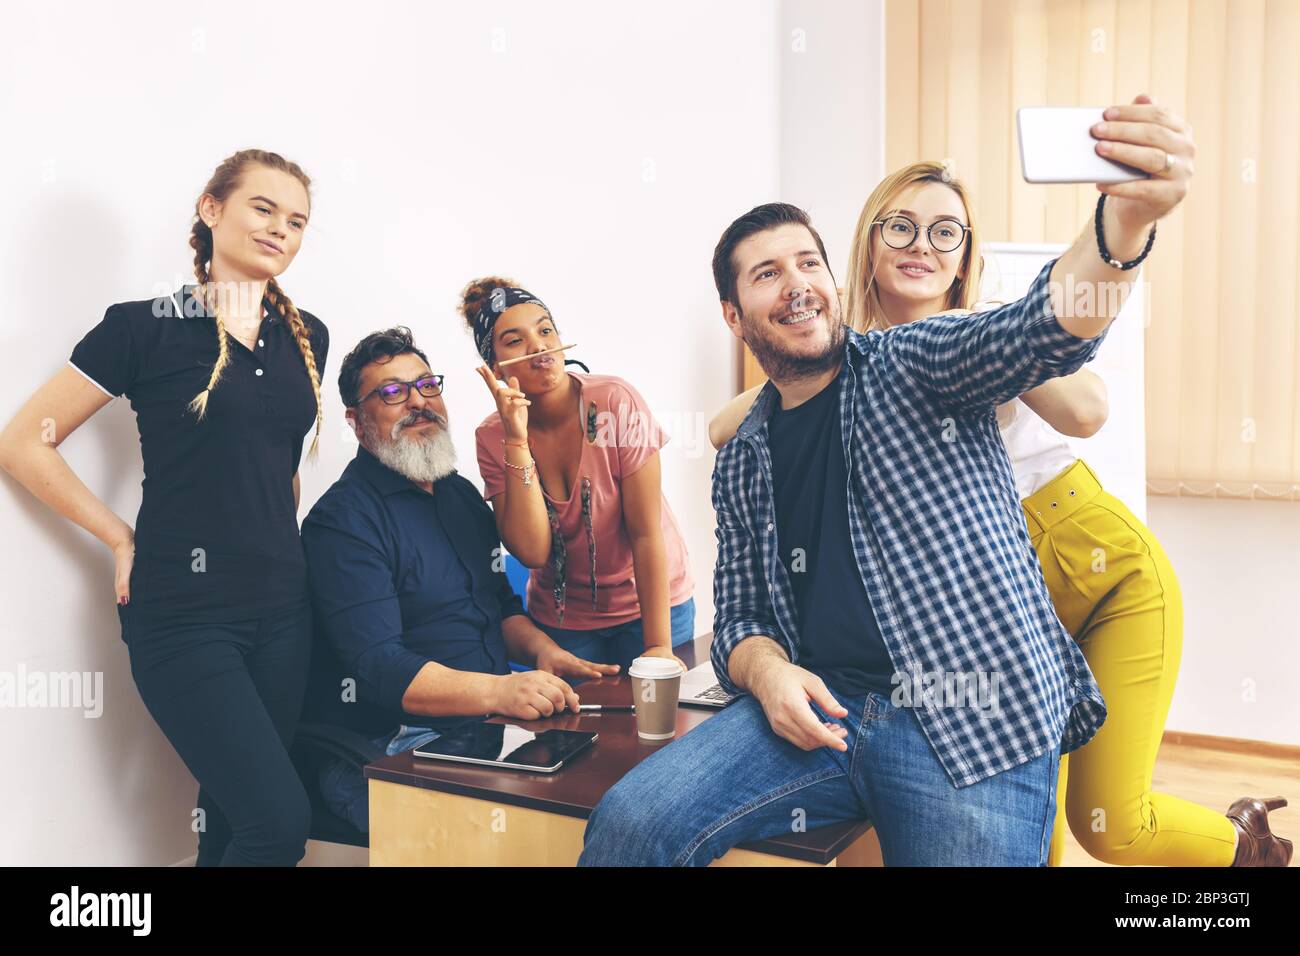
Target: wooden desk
pixel 432 813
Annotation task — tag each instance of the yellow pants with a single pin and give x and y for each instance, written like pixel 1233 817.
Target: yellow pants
pixel 1115 591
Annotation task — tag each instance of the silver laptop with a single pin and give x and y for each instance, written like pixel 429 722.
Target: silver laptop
pixel 700 687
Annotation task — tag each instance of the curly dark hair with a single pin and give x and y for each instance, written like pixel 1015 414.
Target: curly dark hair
pixel 375 347
pixel 475 293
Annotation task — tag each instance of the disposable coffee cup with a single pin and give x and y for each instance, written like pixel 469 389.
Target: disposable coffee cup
pixel 655 685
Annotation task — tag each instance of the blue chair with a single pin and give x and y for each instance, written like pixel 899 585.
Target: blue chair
pixel 517 575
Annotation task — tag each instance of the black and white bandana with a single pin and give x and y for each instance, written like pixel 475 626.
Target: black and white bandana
pixel 485 320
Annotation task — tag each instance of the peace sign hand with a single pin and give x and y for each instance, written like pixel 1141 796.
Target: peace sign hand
pixel 512 406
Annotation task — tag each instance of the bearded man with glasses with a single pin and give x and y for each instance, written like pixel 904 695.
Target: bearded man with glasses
pixel 415 627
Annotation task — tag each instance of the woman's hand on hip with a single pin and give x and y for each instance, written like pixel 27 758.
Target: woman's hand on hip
pixel 123 561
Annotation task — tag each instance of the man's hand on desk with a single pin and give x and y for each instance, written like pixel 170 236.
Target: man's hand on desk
pixel 784 690
pixel 531 695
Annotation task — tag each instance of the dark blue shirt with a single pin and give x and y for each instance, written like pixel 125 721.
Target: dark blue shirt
pixel 400 577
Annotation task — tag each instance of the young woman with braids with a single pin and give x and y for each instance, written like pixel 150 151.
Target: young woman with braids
pixel 224 378
pixel 574 483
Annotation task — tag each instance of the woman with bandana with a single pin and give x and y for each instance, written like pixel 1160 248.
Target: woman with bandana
pixel 570 463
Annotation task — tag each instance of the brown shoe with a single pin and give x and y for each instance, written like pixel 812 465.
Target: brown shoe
pixel 1256 845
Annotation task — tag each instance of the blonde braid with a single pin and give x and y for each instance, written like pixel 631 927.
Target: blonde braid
pixel 284 305
pixel 223 182
pixel 201 241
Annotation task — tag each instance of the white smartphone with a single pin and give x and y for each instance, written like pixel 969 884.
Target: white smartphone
pixel 1057 146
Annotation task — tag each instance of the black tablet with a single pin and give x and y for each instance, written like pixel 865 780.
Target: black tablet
pixel 508 746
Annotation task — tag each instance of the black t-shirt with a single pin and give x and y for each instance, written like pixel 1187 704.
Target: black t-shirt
pixel 217 532
pixel 839 639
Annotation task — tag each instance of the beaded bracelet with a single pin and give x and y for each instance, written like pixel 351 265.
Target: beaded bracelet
pixel 1101 242
pixel 526 469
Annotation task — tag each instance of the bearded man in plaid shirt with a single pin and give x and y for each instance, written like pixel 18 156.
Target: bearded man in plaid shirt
pixel 881 452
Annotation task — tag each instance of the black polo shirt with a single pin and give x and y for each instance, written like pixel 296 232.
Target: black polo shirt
pixel 217 532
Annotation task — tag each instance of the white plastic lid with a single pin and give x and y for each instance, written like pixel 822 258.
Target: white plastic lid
pixel 654 668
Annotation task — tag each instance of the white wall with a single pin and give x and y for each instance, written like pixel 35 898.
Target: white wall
pixel 593 151
pixel 832 114
pixel 1238 564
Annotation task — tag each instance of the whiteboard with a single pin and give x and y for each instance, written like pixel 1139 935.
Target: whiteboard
pixel 1117 453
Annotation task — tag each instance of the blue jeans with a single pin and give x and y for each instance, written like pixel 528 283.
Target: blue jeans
pixel 622 643
pixel 731 780
pixel 343 787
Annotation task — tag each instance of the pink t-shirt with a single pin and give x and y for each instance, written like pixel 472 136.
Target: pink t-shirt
pixel 621 436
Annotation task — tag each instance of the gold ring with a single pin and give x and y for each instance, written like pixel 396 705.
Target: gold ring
pixel 1169 164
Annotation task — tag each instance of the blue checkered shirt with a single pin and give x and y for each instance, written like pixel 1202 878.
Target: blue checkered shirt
pixel 938 535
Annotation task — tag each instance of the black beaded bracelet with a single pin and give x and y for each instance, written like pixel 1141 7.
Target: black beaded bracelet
pixel 1101 241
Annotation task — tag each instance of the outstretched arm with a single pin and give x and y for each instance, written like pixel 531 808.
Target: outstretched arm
pixel 973 362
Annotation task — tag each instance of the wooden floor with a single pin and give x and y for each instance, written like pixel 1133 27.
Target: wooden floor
pixel 1215 778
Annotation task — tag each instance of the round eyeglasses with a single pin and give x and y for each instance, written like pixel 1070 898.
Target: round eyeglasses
pixel 899 232
pixel 396 393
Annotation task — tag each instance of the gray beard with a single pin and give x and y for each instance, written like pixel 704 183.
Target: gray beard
pixel 415 457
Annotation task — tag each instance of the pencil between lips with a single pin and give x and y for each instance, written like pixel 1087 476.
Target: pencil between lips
pixel 525 358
